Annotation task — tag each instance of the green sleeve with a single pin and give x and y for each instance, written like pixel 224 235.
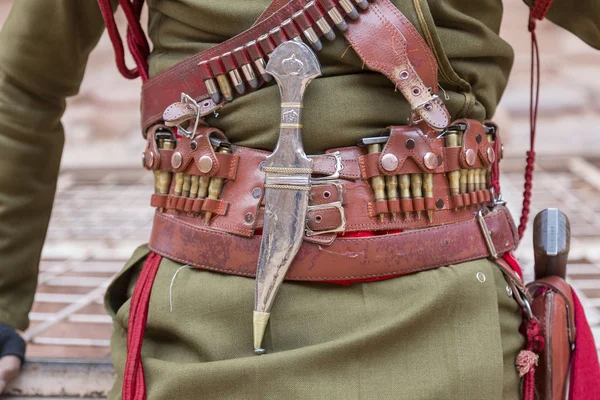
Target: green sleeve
pixel 44 46
pixel 581 17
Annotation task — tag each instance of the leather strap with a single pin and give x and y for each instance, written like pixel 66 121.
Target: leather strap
pixel 345 258
pixel 400 53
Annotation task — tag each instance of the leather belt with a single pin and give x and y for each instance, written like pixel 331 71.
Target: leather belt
pixel 346 258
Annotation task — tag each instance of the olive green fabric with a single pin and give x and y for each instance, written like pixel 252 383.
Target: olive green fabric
pixel 437 334
pixel 441 334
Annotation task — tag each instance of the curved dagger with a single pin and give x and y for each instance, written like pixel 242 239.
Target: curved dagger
pixel 287 182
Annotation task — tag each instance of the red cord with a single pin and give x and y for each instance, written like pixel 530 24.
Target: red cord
pixel 136 39
pixel 134 383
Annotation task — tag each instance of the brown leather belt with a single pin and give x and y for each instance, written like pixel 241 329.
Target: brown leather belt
pixel 346 258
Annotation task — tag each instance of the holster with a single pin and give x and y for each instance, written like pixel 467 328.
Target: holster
pixel 553 306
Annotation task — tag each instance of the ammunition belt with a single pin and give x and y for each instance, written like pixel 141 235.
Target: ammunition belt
pixel 382 36
pixel 408 181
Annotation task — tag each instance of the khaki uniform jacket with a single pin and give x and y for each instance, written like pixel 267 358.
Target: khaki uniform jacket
pixel 44 46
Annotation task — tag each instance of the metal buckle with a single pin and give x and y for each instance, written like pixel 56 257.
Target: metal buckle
pixel 338 168
pixel 186 99
pixel 336 204
pixel 487 235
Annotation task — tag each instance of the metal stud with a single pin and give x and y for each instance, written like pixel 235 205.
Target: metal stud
pixel 439 204
pixel 257 193
pixel 509 291
pixel 176 159
pixel 478 138
pixel 430 160
pixel 205 164
pixel 410 144
pixel 389 162
pixel 249 218
pixel 470 156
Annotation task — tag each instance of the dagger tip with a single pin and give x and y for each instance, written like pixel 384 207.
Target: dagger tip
pixel 260 321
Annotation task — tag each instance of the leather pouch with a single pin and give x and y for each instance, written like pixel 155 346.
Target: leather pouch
pixel 553 306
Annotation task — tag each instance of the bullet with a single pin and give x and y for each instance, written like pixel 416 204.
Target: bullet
pixel 194 186
pixel 203 183
pixel 488 172
pixel 209 81
pixel 454 176
pixel 464 175
pixel 391 185
pixel 266 44
pixel 334 14
pixel 257 57
pixel 428 189
pixel 349 9
pixel 416 186
pixel 377 182
pixel 244 61
pixel 471 180
pixel 165 176
pixel 187 181
pixel 218 69
pixel 160 144
pixel 404 181
pixel 278 36
pixel 362 4
pixel 178 184
pixel 319 17
pixel 288 26
pixel 234 74
pixel 216 186
pixel 304 22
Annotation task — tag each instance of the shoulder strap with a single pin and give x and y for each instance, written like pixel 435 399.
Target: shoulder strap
pixel 400 53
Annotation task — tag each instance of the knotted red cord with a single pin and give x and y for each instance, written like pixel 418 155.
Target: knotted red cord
pixel 134 384
pixel 527 360
pixel 136 39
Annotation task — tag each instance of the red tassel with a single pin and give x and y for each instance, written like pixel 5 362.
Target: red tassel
pixel 527 358
pixel 134 384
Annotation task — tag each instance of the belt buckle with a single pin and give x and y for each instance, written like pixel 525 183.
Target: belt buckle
pixel 336 204
pixel 338 168
pixel 487 235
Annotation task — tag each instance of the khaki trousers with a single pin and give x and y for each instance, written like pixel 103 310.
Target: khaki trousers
pixel 440 334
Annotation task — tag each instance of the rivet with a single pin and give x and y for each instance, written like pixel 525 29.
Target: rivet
pixel 491 155
pixel 326 194
pixel 440 160
pixel 176 159
pixel 439 204
pixel 416 91
pixel 410 144
pixel 205 164
pixel 249 218
pixel 470 156
pixel 509 291
pixel 430 160
pixel 404 75
pixel 389 162
pixel 478 138
pixel 318 219
pixel 428 107
pixel 193 145
pixel 149 159
pixel 481 277
pixel 257 193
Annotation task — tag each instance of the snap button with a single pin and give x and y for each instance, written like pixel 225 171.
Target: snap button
pixel 205 164
pixel 430 160
pixel 176 159
pixel 389 162
pixel 470 156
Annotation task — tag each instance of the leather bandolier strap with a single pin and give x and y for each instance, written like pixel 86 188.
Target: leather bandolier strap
pixel 382 36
